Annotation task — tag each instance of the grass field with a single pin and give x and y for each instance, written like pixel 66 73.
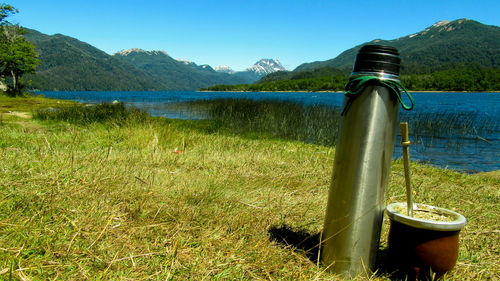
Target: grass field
pixel 158 199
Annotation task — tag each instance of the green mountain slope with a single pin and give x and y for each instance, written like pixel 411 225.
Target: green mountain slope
pixel 458 42
pixel 175 74
pixel 69 64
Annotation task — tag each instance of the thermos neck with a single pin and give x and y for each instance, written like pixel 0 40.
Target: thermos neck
pixel 380 75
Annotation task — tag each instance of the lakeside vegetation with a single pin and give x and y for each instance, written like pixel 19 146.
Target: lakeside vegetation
pixel 118 200
pixel 446 78
pixel 319 124
pixel 84 115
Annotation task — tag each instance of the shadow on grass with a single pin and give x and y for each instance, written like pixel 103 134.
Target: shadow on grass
pixel 300 241
pixel 308 244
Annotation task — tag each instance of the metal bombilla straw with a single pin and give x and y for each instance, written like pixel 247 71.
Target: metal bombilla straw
pixel 405 143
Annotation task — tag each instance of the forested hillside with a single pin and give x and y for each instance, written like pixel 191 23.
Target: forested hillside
pixel 69 64
pixel 461 41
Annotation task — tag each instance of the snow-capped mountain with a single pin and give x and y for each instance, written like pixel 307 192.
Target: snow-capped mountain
pixel 266 66
pixel 224 69
pixel 259 70
pixel 255 72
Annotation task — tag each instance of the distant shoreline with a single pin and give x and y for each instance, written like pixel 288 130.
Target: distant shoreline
pixel 454 91
pixel 343 91
pixel 208 91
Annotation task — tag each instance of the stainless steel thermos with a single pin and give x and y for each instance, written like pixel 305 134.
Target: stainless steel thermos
pixel 363 155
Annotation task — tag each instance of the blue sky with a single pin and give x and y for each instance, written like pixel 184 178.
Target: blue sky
pixel 238 33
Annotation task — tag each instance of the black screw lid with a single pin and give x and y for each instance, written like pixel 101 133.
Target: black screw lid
pixel 377 58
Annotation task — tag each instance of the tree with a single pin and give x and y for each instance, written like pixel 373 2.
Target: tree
pixel 5 11
pixel 17 55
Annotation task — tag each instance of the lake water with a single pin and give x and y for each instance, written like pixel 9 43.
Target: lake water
pixel 471 153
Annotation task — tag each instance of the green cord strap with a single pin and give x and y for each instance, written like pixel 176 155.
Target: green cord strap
pixel 355 86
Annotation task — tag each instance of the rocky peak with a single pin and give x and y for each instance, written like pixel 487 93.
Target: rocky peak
pixel 440 23
pixel 207 67
pixel 224 69
pixel 442 26
pixel 186 62
pixel 137 50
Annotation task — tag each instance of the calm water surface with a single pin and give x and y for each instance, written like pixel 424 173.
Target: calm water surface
pixel 471 154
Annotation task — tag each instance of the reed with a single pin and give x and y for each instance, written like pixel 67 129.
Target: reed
pixel 449 124
pixel 451 130
pixel 319 124
pixel 115 113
